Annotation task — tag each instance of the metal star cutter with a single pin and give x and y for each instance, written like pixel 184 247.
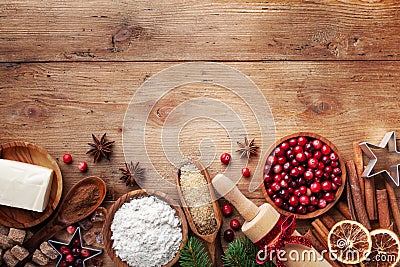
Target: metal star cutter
pixel 388 141
pixel 76 240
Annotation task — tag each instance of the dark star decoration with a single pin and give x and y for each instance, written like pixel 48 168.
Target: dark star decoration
pixel 75 241
pixel 389 141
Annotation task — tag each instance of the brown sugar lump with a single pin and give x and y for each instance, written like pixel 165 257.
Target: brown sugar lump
pixel 19 252
pixel 4 230
pixel 30 264
pixel 17 235
pixel 48 251
pixel 9 259
pixel 39 258
pixel 5 242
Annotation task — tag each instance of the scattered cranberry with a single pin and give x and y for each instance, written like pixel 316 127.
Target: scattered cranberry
pixel 235 224
pixel 65 250
pixel 227 209
pixel 71 229
pixel 246 172
pixel 229 235
pixel 76 251
pixel 67 158
pixel 76 242
pixel 82 166
pixel 225 158
pixel 69 258
pixel 85 253
pixel 63 263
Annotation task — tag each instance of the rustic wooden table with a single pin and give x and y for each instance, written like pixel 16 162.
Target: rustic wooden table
pixel 70 69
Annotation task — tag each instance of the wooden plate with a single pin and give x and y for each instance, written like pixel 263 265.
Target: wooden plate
pixel 33 154
pixel 339 192
pixel 108 243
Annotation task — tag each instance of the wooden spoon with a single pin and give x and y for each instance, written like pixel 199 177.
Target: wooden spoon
pixel 63 217
pixel 212 241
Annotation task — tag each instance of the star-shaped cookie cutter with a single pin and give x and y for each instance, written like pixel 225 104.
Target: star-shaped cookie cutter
pixel 56 245
pixel 388 141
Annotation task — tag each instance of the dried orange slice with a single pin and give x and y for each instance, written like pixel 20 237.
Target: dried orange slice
pixel 385 250
pixel 349 242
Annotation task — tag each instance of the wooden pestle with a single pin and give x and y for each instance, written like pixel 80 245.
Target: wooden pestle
pixel 260 220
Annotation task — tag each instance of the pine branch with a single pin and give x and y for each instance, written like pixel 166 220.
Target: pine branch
pixel 242 253
pixel 193 254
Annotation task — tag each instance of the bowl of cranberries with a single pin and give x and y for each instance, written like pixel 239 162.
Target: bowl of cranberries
pixel 303 175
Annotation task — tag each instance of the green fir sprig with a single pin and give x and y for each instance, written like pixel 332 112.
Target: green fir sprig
pixel 193 254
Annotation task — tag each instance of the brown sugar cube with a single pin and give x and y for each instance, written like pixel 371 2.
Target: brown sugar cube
pixel 39 258
pixel 29 264
pixel 17 235
pixel 19 252
pixel 4 230
pixel 48 251
pixel 9 259
pixel 5 242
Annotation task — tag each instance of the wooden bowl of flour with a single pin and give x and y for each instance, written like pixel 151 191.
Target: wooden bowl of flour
pixel 107 233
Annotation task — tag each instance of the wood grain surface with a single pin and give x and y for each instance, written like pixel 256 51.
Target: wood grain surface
pixel 70 69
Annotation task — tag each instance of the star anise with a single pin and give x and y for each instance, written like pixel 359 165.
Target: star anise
pixel 132 173
pixel 247 148
pixel 100 148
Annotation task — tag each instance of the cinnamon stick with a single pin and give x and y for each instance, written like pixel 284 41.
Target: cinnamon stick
pixel 370 198
pixel 320 248
pixel 343 209
pixel 359 205
pixel 320 228
pixel 350 201
pixel 358 161
pixel 328 220
pixel 394 206
pixel 383 208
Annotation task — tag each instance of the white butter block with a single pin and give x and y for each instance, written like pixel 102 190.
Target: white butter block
pixel 24 185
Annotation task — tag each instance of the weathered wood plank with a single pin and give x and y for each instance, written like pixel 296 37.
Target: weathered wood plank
pixel 102 30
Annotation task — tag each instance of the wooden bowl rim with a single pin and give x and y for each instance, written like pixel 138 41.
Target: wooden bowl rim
pixel 217 210
pixel 338 193
pixel 127 197
pixel 57 173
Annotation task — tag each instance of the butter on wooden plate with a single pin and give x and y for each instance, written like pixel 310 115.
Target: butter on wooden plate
pixel 24 185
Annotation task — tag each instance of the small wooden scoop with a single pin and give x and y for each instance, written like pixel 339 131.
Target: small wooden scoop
pixel 63 217
pixel 212 241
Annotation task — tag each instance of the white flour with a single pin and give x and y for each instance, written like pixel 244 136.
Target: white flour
pixel 146 232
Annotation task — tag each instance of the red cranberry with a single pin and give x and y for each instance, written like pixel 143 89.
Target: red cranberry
pixel 307 154
pixel 271 160
pixel 326 160
pixel 225 158
pixel 294 201
pixel 294 172
pixel 65 250
pixel 287 166
pixel 67 158
pixel 334 164
pixel 308 175
pixel 301 181
pixel 82 166
pixel 317 144
pixel 293 142
pixel 297 149
pixel 285 146
pixel 267 168
pixel 278 201
pixel 313 200
pixel 335 187
pixel 274 196
pixel 300 157
pixel 321 203
pixel 270 192
pixel 234 224
pixel 317 154
pixel 277 168
pixel 333 156
pixel 229 235
pixel 63 263
pixel 284 193
pixel 318 173
pixel 76 251
pixel 295 163
pixel 312 163
pixel 291 209
pixel 76 242
pixel 315 187
pixel 328 169
pixel 246 172
pixel 287 178
pixel 304 200
pixel 311 208
pixel 326 176
pixel 302 209
pixel 279 151
pixel 78 263
pixel 329 197
pixel 317 179
pixel 301 170
pixel 69 258
pixel 301 140
pixel 297 192
pixel 321 165
pixel 293 184
pixel 283 184
pixel 326 186
pixel 337 180
pixel 267 178
pixel 290 154
pixel 308 147
pixel 281 160
pixel 337 171
pixel 227 209
pixel 275 186
pixel 285 205
pixel 71 229
pixel 291 190
pixel 303 190
pixel 325 150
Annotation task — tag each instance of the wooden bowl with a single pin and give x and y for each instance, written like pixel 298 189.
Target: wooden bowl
pixel 33 154
pixel 108 243
pixel 339 192
pixel 209 239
